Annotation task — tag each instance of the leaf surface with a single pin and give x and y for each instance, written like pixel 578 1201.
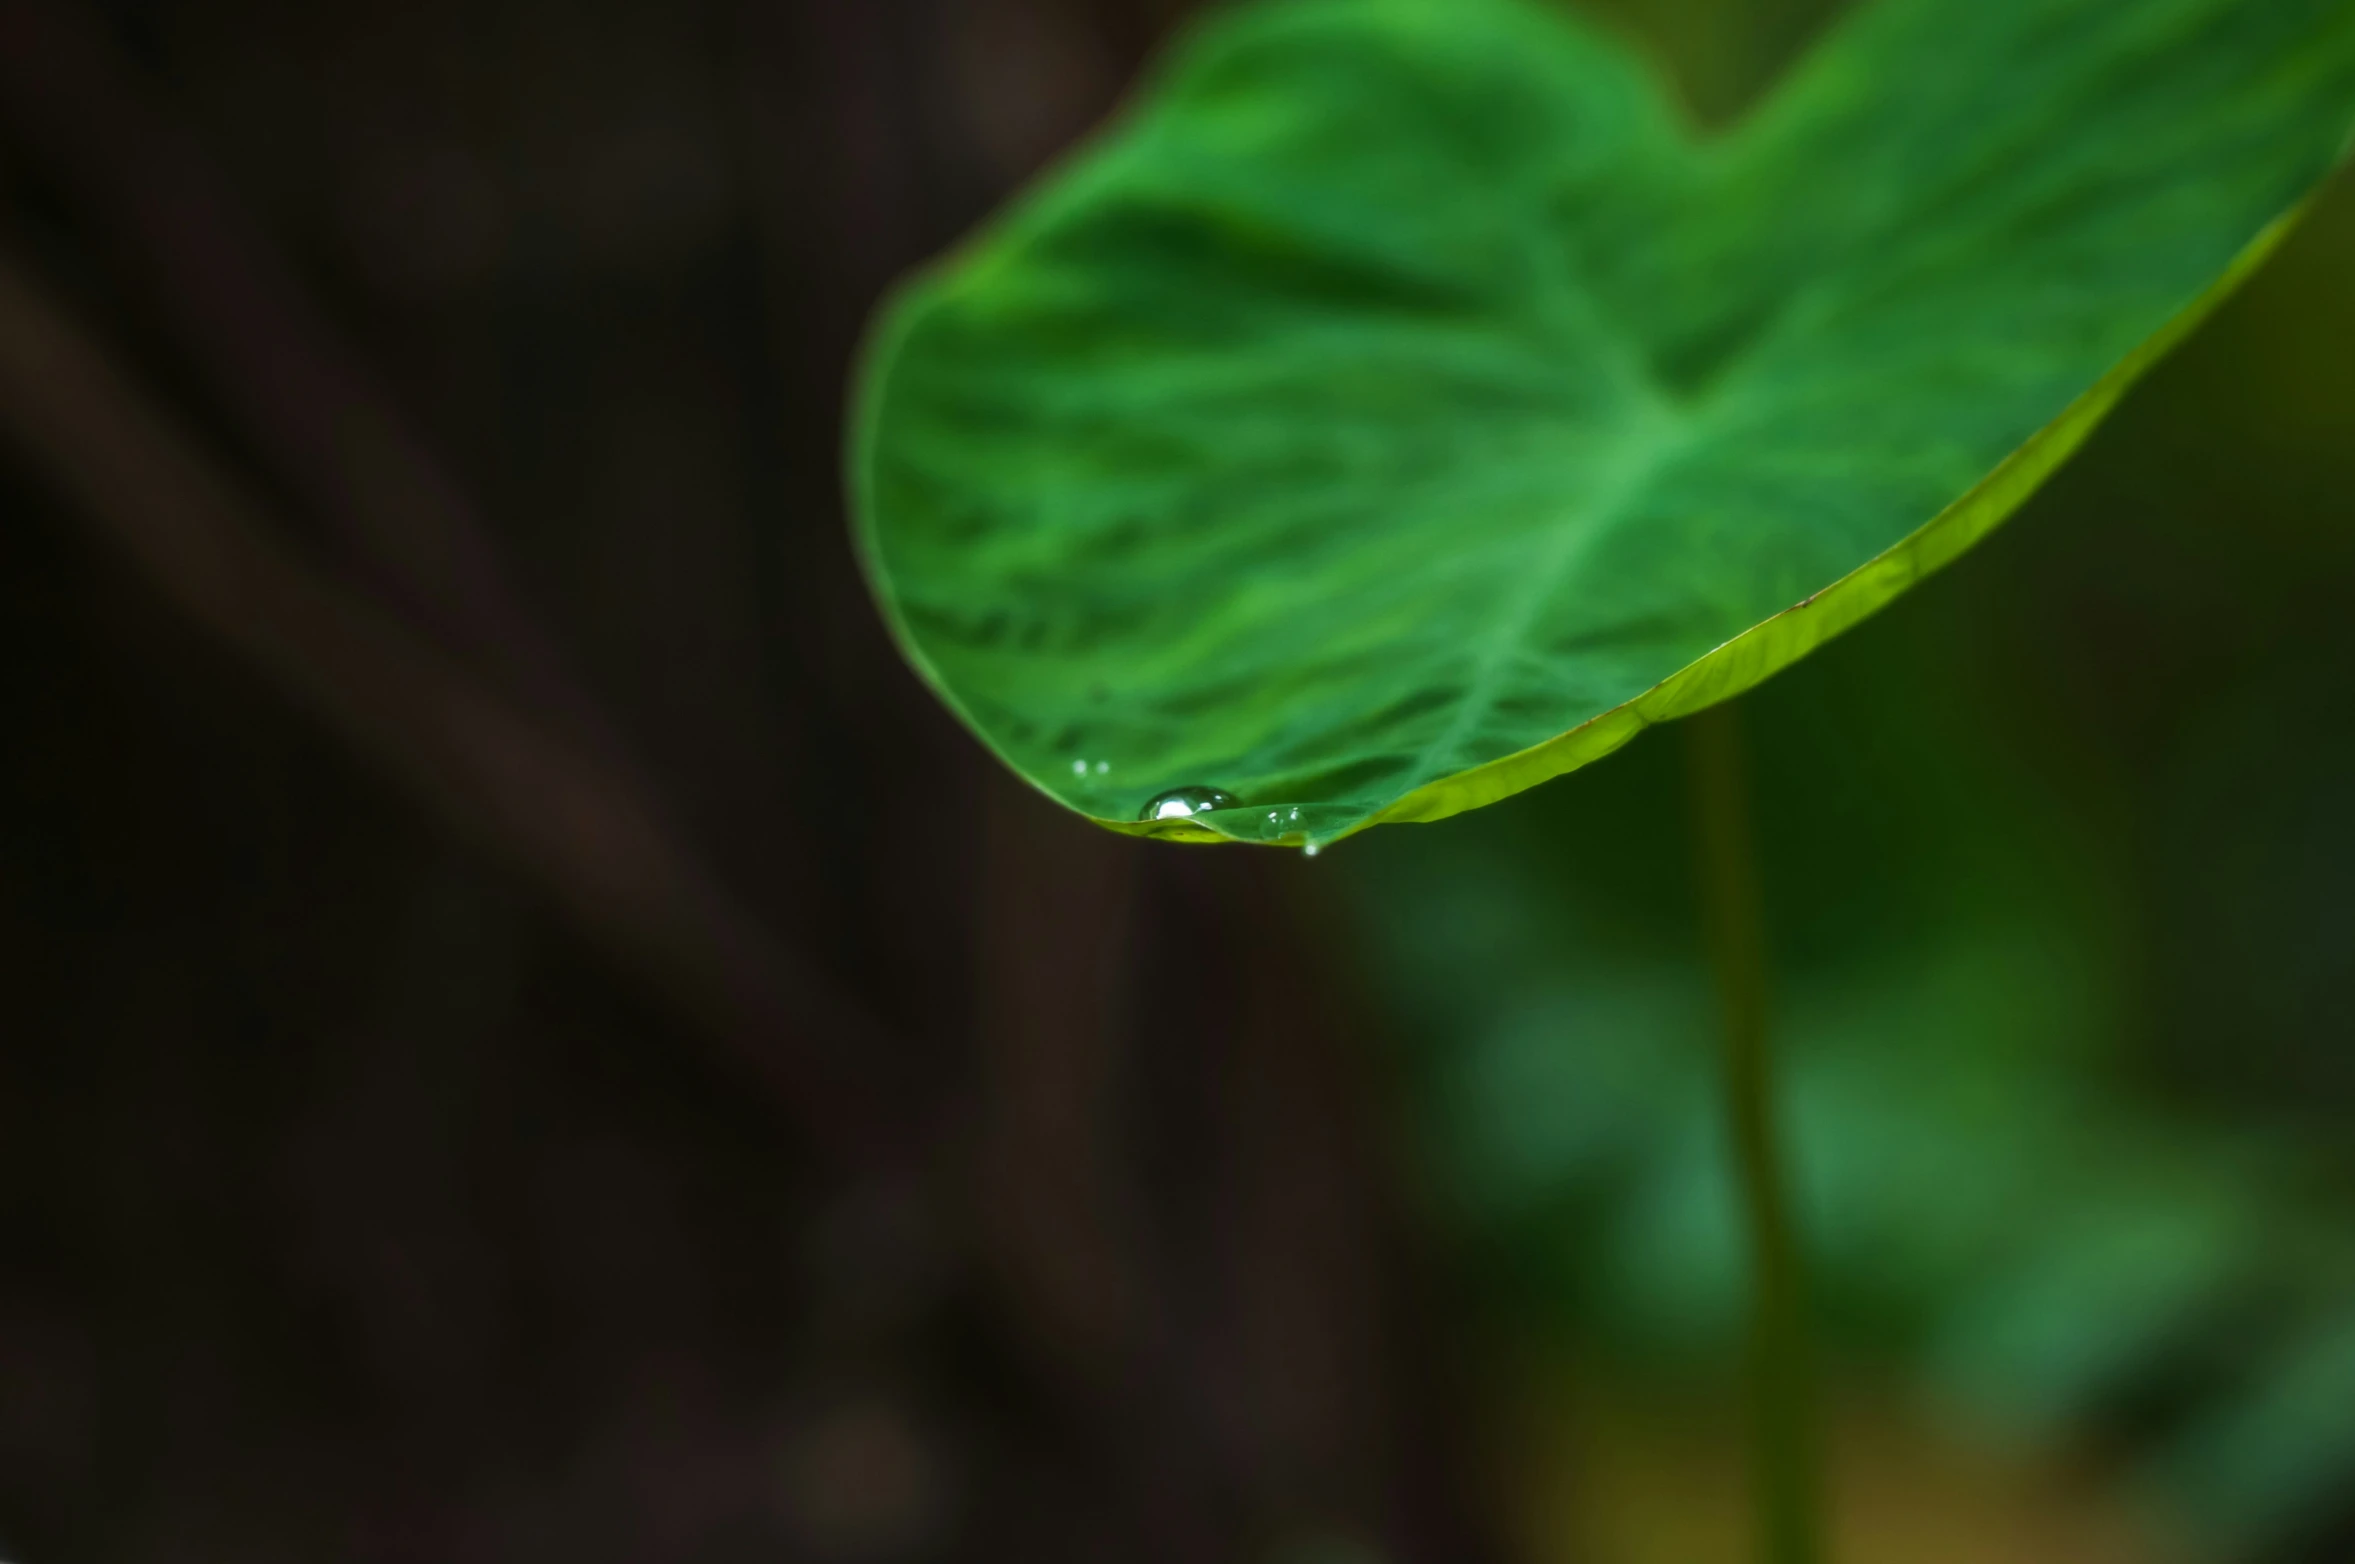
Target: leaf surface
pixel 1401 406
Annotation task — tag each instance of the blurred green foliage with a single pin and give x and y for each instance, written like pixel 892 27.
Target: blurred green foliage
pixel 2057 856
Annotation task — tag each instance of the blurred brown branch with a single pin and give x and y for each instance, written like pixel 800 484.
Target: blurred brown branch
pixel 547 803
pixel 298 395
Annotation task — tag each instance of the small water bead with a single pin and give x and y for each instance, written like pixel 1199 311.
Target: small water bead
pixel 1283 824
pixel 1180 802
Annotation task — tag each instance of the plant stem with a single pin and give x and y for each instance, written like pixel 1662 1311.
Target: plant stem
pixel 1784 1469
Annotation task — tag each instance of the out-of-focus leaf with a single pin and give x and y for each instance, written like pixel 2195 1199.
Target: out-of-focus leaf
pixel 1401 408
pixel 2002 1212
pixel 2280 1447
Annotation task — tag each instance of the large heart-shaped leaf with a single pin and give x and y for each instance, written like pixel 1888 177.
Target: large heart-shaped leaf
pixel 1403 407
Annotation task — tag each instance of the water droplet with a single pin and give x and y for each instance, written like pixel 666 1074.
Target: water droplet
pixel 1079 768
pixel 1310 849
pixel 1179 802
pixel 1103 766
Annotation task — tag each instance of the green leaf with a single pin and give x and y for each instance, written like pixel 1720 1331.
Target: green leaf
pixel 1401 407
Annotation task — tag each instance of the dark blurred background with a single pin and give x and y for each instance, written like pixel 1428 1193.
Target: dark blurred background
pixel 524 1034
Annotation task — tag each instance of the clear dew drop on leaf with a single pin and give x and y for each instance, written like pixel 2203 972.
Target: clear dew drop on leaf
pixel 1180 802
